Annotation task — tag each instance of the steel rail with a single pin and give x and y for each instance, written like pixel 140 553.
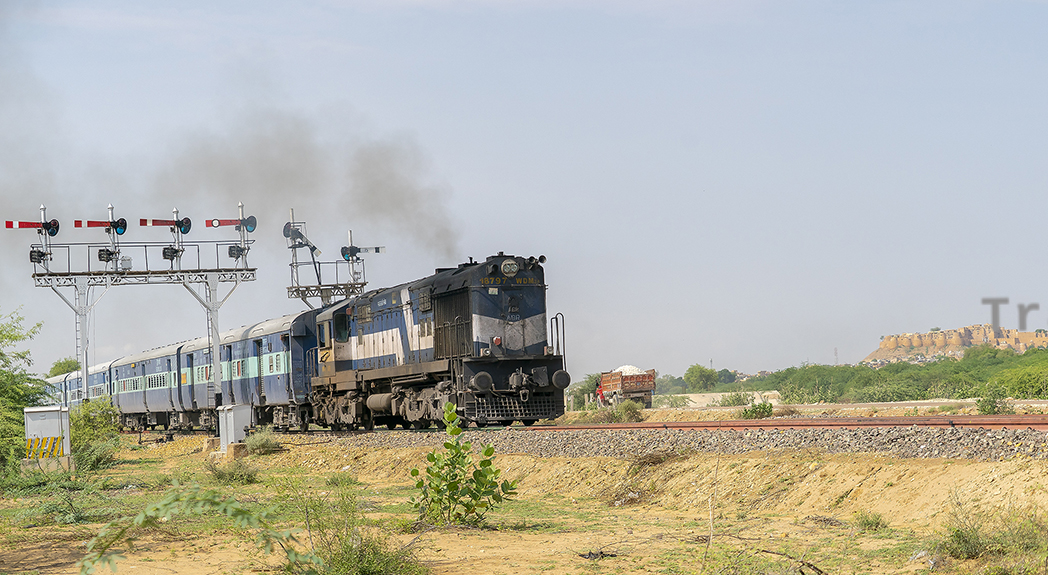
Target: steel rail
pixel 1034 422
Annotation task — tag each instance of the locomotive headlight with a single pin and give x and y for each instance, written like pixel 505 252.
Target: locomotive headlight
pixel 510 268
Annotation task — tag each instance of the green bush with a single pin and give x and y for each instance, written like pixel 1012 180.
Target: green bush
pixel 93 421
pixel 454 489
pixel 94 428
pixel 96 455
pixel 238 472
pixel 671 401
pixel 342 538
pixel 628 411
pixel 735 399
pixel 993 401
pixel 262 442
pixel 760 410
pixel 870 521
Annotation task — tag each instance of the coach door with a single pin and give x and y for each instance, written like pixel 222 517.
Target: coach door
pixel 260 384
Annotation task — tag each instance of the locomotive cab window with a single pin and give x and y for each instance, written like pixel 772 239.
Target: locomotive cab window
pixel 322 340
pixel 341 328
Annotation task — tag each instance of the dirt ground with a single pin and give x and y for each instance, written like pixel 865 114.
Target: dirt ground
pixel 770 510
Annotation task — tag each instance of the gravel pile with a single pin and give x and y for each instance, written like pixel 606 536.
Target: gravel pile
pixel 913 442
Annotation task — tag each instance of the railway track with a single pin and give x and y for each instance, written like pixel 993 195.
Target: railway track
pixel 989 422
pixel 1034 422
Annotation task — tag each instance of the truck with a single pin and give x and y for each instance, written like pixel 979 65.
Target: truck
pixel 626 382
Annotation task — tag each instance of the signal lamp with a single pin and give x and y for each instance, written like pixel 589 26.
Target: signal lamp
pixel 50 227
pixel 106 255
pixel 37 256
pixel 119 226
pixel 236 252
pixel 171 253
pixel 248 223
pixel 184 225
pixel 350 252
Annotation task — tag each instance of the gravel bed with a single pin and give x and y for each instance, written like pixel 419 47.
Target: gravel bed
pixel 911 442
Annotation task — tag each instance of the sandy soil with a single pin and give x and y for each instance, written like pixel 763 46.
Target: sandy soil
pixel 760 497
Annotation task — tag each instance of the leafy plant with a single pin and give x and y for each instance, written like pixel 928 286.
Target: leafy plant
pixel 455 489
pixel 191 500
pixel 262 442
pixel 93 434
pixel 237 472
pixel 993 401
pixel 760 410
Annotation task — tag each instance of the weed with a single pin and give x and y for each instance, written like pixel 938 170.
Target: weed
pixel 870 521
pixel 239 472
pixel 970 533
pixel 96 455
pixel 652 459
pixel 342 479
pixel 736 399
pixel 625 412
pixel 189 500
pixel 671 401
pixel 756 411
pixel 262 442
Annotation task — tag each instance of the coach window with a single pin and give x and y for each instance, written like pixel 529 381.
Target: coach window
pixel 322 335
pixel 341 325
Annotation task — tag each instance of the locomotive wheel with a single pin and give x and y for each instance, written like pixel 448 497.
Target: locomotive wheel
pixel 420 424
pixel 369 425
pixel 528 422
pixel 391 425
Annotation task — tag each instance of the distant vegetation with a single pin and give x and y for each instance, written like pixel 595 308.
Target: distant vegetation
pixel 984 371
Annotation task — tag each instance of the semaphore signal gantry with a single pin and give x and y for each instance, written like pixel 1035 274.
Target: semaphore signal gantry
pixel 349 275
pixel 115 266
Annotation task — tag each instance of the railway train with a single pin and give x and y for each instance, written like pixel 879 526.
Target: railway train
pixel 475 335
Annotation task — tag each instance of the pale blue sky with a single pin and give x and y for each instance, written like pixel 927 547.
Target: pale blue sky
pixel 754 183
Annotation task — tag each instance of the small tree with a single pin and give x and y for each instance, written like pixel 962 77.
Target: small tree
pixel 63 366
pixel 454 488
pixel 580 389
pixel 18 389
pixel 93 433
pixel 700 378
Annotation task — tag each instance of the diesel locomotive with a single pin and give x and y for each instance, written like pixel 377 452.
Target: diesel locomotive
pixel 475 335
